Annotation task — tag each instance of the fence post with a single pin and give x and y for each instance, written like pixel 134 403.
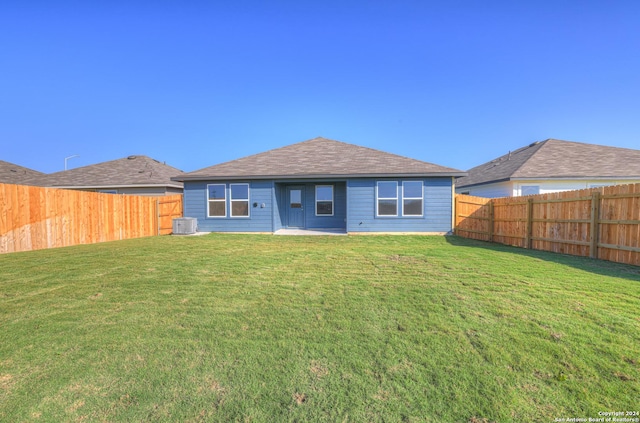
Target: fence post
pixel 157 217
pixel 528 241
pixel 491 220
pixel 455 214
pixel 594 227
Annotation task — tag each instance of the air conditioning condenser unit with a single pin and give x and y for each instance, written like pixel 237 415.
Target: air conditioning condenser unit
pixel 185 226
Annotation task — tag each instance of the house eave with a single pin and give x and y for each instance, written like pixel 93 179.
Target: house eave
pixel 115 186
pixel 495 181
pixel 573 178
pixel 549 178
pixel 318 176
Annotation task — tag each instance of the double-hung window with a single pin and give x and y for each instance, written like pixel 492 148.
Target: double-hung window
pixel 387 198
pixel 324 200
pixel 217 196
pixel 239 200
pixel 412 198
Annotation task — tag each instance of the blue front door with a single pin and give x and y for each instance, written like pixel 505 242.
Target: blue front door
pixel 295 196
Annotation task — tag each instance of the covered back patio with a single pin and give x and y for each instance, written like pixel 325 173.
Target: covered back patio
pixel 306 205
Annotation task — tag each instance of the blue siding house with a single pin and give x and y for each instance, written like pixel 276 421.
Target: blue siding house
pixel 322 184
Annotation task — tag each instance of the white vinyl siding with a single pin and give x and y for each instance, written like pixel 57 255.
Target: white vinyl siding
pixel 530 189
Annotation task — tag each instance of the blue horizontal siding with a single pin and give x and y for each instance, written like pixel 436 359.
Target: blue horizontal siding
pixel 260 220
pixel 337 221
pixel 354 207
pixel 311 221
pixel 436 207
pixel 277 215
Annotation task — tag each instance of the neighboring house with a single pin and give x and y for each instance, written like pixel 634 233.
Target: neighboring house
pixel 321 184
pixel 552 166
pixel 13 174
pixel 139 175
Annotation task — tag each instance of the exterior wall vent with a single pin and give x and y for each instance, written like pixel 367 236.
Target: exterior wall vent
pixel 185 226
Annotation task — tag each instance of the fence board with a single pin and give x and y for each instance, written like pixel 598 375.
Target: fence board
pixel 169 208
pixel 601 222
pixel 472 217
pixel 33 218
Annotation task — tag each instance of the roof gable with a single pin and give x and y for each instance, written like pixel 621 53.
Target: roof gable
pixel 557 159
pixel 566 159
pixel 13 174
pixel 319 157
pixel 128 171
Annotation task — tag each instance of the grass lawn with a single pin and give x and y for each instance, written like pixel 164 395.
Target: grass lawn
pixel 266 328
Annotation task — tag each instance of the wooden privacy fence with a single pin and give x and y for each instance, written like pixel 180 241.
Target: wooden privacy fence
pixel 601 223
pixel 33 218
pixel 169 207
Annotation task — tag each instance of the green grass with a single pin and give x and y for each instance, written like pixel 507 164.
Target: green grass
pixel 266 328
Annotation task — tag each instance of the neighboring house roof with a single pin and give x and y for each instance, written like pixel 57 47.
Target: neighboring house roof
pixel 132 171
pixel 556 159
pixel 13 174
pixel 319 158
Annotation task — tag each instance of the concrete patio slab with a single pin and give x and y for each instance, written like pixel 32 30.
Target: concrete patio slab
pixel 310 232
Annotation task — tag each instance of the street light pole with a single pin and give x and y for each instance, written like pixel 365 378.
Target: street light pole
pixel 67 158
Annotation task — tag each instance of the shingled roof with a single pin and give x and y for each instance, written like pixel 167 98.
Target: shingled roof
pixel 13 174
pixel 319 158
pixel 132 171
pixel 557 159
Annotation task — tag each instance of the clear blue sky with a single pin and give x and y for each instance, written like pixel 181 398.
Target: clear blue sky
pixel 195 83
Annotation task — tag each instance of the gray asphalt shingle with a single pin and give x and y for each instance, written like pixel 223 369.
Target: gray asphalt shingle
pixel 557 159
pixel 11 173
pixel 128 171
pixel 319 157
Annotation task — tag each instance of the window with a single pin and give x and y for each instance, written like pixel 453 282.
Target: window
pixel 216 193
pixel 324 200
pixel 108 191
pixel 530 189
pixel 239 200
pixel 295 198
pixel 387 198
pixel 412 198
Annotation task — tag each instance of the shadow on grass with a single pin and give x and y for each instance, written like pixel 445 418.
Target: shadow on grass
pixel 601 267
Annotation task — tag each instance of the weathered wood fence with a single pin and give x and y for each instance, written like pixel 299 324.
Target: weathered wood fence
pixel 33 218
pixel 601 223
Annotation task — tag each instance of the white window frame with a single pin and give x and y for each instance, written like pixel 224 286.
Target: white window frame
pixel 421 198
pixel 324 201
pixel 378 198
pixel 248 201
pixel 108 191
pixel 209 200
